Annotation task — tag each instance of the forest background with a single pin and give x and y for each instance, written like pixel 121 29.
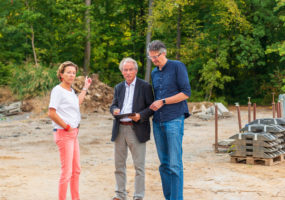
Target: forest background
pixel 233 49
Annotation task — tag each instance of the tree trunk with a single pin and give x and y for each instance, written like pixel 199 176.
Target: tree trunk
pixel 87 53
pixel 142 34
pixel 210 94
pixel 148 39
pixel 33 46
pixel 33 38
pixel 178 40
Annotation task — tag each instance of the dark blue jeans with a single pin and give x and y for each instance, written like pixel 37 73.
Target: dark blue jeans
pixel 168 139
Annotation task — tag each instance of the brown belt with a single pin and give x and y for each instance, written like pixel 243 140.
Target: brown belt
pixel 127 123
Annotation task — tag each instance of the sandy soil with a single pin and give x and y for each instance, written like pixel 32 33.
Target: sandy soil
pixel 30 168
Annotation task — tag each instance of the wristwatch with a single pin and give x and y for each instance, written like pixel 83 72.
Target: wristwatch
pixel 163 101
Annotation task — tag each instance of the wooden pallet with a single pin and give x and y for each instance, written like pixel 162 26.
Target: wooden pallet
pixel 257 161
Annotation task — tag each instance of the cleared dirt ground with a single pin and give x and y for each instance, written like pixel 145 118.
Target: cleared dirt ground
pixel 30 167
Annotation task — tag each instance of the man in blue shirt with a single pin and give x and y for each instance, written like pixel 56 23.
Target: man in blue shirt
pixel 171 89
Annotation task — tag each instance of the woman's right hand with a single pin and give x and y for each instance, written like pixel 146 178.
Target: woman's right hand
pixel 71 129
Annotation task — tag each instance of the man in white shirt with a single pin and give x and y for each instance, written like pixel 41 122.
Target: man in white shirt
pixel 131 96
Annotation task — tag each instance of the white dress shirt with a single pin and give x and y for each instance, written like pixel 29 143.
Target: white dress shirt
pixel 128 101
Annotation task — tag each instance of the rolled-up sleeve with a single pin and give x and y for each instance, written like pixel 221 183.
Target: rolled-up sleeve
pixel 183 80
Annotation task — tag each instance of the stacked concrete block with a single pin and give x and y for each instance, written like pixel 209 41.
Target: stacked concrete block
pixel 269 121
pixel 260 140
pixel 260 145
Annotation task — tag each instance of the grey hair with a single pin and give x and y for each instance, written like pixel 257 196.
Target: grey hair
pixel 156 45
pixel 128 60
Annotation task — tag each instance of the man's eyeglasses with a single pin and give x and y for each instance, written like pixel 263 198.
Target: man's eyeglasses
pixel 154 57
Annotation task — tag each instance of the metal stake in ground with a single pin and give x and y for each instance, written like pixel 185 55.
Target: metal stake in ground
pixel 254 111
pixel 238 112
pixel 279 109
pixel 282 108
pixel 273 105
pixel 249 109
pixel 216 128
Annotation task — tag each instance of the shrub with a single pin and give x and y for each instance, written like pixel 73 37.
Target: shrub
pixel 5 74
pixel 31 81
pixel 196 96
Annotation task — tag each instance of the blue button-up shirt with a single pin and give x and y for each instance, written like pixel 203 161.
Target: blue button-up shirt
pixel 171 80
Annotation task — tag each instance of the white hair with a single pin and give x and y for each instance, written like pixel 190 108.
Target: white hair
pixel 128 60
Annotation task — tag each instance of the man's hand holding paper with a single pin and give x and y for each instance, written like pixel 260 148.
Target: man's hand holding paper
pixel 136 117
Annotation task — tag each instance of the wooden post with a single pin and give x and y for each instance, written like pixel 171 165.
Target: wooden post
pixel 239 119
pixel 249 110
pixel 216 128
pixel 277 110
pixel 273 105
pixel 254 111
pixel 281 108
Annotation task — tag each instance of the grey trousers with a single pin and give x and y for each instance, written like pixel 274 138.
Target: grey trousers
pixel 125 139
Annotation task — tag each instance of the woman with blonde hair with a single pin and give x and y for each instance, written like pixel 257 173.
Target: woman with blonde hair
pixel 65 114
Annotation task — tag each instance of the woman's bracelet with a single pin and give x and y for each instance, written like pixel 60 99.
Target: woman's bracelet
pixel 85 89
pixel 67 127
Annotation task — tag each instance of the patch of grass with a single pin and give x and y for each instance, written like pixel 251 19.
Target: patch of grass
pixel 5 74
pixel 30 81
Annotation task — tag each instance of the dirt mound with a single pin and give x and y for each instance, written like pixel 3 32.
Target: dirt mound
pixel 37 105
pixel 6 95
pixel 99 95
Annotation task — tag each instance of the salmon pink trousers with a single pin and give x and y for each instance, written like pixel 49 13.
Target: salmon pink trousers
pixel 68 146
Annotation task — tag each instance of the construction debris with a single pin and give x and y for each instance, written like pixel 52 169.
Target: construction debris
pixel 11 109
pixel 206 111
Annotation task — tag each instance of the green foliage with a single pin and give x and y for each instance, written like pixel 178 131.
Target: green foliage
pixel 5 74
pixel 211 73
pixel 276 81
pixel 197 96
pixel 221 99
pixel 31 81
pixel 279 45
pixel 232 48
pixel 283 88
pixel 120 32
